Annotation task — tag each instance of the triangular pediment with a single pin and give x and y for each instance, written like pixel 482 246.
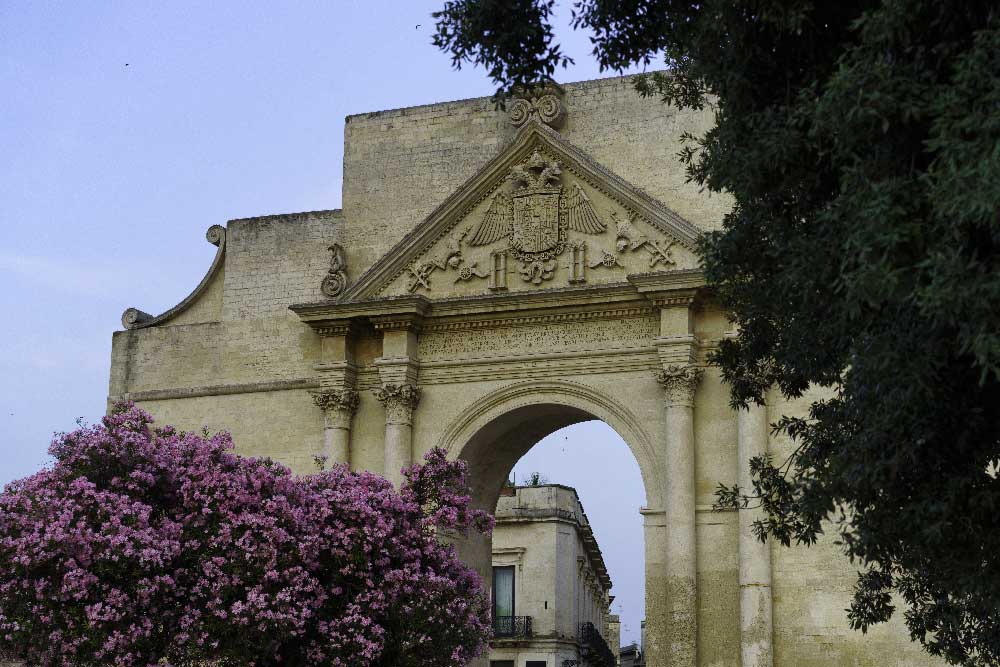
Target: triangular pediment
pixel 541 214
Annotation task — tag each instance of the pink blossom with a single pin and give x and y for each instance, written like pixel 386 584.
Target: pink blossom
pixel 145 546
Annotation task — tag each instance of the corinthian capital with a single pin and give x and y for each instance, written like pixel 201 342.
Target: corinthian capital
pixel 679 383
pixel 399 400
pixel 338 406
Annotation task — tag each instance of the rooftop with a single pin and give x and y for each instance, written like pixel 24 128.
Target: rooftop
pixel 553 502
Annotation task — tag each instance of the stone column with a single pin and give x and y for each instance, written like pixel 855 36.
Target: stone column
pixel 339 406
pixel 679 383
pixel 399 400
pixel 397 370
pixel 755 556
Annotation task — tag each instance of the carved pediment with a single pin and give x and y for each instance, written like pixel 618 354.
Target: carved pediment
pixel 540 215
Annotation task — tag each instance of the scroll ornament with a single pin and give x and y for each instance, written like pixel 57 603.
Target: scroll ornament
pixel 548 108
pixel 335 281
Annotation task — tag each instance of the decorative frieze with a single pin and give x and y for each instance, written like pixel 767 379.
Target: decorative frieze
pixel 630 328
pixel 400 400
pixel 679 383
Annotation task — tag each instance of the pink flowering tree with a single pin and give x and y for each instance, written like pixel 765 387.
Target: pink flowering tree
pixel 143 546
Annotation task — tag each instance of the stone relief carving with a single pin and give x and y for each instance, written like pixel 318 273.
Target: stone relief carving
pixel 335 281
pixel 679 382
pixel 537 271
pixel 470 271
pixel 546 106
pixel 608 260
pixel 400 400
pixel 629 239
pixel 535 217
pixel 451 258
pixel 338 406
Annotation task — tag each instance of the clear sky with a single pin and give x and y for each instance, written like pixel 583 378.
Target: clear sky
pixel 128 128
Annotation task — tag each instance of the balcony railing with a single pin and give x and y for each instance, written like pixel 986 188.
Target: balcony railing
pixel 511 626
pixel 596 651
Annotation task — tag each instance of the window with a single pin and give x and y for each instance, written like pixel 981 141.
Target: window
pixel 503 593
pixel 535 663
pixel 501 663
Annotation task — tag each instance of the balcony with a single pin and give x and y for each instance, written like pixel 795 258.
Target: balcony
pixel 505 627
pixel 594 649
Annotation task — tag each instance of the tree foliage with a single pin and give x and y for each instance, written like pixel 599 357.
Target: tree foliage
pixel 143 547
pixel 861 144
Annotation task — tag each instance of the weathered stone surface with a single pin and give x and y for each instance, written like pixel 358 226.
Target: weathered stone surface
pixel 511 337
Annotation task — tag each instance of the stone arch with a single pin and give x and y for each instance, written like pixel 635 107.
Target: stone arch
pixel 494 432
pixel 499 428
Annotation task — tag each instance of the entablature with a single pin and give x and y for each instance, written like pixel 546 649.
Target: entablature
pixel 641 294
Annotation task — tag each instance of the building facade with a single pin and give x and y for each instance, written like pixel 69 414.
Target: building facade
pixel 495 275
pixel 551 590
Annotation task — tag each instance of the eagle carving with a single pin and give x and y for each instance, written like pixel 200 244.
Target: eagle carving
pixel 537 213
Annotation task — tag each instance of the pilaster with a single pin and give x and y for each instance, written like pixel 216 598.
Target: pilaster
pixel 398 368
pixel 679 383
pixel 339 406
pixel 756 619
pixel 337 397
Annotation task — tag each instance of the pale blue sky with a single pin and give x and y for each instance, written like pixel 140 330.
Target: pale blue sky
pixel 127 129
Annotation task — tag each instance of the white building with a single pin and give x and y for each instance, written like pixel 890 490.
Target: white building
pixel 551 589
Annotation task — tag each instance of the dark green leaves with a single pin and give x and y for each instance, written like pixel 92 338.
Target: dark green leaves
pixel 861 144
pixel 512 39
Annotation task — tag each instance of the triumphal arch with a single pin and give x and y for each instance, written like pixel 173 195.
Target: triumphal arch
pixel 494 275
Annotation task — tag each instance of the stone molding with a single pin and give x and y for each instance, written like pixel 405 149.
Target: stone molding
pixel 418 313
pixel 338 405
pixel 679 384
pixel 217 390
pixel 544 365
pixel 133 318
pixel 398 322
pixel 542 319
pixel 400 400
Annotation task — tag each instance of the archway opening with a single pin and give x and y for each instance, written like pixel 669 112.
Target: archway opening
pixel 564 543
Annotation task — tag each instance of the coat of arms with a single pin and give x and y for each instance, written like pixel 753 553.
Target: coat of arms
pixel 537 213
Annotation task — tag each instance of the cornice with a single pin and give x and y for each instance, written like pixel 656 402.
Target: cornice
pixel 636 297
pixel 133 318
pixel 669 288
pixel 332 314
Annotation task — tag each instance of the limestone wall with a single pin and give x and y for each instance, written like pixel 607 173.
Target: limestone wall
pixel 400 164
pixel 238 359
